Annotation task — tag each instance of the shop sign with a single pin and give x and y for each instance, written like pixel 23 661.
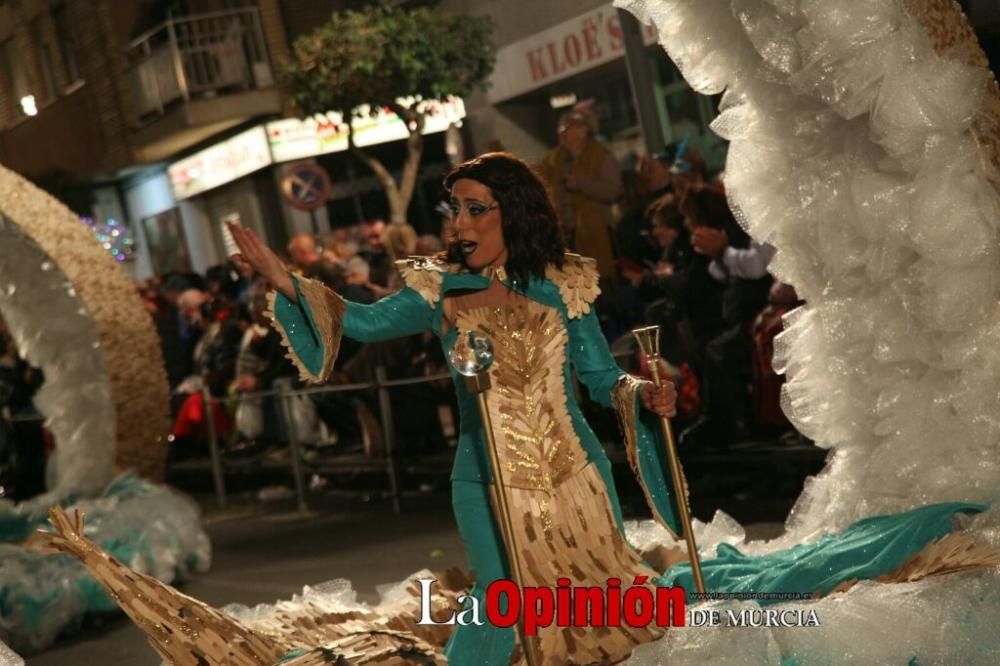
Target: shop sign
pixel 220 164
pixel 294 139
pixel 569 48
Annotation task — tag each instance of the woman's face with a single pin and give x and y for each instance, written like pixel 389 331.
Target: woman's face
pixel 478 224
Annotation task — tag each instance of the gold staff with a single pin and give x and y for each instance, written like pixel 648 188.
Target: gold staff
pixel 472 356
pixel 648 338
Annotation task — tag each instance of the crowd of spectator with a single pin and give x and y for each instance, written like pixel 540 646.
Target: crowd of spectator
pixel 217 342
pixel 669 252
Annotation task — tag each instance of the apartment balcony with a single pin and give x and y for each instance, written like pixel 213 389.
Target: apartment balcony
pixel 195 76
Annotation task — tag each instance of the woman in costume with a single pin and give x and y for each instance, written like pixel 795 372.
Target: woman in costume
pixel 506 277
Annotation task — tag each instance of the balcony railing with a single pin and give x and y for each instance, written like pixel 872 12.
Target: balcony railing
pixel 197 57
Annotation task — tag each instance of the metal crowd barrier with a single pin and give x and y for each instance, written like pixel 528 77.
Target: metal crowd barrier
pixel 381 385
pixel 297 465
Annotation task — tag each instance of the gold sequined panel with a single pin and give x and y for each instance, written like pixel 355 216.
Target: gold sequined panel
pixel 573 534
pixel 577 281
pixel 538 447
pixel 562 518
pixel 953 37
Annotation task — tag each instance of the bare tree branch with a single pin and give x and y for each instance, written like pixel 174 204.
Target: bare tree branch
pixel 397 211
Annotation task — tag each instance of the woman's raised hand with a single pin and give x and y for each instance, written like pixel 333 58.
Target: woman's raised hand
pixel 262 259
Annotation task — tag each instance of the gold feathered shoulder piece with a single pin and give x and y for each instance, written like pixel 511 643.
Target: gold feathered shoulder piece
pixel 577 282
pixel 424 275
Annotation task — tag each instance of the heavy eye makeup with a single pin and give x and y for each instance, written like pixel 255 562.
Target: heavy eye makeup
pixel 473 208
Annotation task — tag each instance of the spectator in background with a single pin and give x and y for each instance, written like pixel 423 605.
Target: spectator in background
pixel 739 267
pixel 766 382
pixel 177 335
pixel 399 241
pixel 337 276
pixel 225 281
pixel 584 179
pixel 22 441
pixel 214 363
pixel 260 361
pixel 374 253
pixel 673 250
pixel 658 285
pixel 303 250
pixel 632 235
pixel 347 414
pixel 690 172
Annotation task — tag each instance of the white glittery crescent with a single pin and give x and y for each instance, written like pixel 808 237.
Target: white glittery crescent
pixel 75 313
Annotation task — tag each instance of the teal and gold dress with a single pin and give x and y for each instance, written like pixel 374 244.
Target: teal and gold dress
pixel 558 478
pixel 567 519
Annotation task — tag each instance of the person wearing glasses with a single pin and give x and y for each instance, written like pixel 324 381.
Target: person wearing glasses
pixel 507 274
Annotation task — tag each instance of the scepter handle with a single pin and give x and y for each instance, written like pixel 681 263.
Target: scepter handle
pixel 649 345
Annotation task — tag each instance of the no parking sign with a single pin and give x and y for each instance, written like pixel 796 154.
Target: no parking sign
pixel 306 187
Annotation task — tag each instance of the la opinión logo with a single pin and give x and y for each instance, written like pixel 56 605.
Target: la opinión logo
pixel 566 605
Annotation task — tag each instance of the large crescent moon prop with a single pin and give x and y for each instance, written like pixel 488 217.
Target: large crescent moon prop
pixel 76 314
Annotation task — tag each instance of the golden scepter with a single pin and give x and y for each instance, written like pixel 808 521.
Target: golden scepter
pixel 472 356
pixel 648 338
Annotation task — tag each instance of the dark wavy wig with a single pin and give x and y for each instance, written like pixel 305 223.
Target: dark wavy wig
pixel 530 226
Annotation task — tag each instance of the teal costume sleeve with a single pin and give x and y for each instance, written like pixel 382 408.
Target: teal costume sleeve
pixel 312 327
pixel 595 366
pixel 607 384
pixel 401 314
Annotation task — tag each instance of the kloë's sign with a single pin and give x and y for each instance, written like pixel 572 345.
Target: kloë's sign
pixel 563 50
pixel 294 139
pixel 226 161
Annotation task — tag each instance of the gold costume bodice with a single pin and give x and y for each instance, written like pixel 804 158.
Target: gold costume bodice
pixel 537 445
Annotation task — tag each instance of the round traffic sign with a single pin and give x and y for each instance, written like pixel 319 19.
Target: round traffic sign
pixel 306 186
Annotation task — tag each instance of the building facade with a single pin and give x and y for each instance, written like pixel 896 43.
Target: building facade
pixel 552 55
pixel 169 112
pixel 556 53
pixel 110 93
